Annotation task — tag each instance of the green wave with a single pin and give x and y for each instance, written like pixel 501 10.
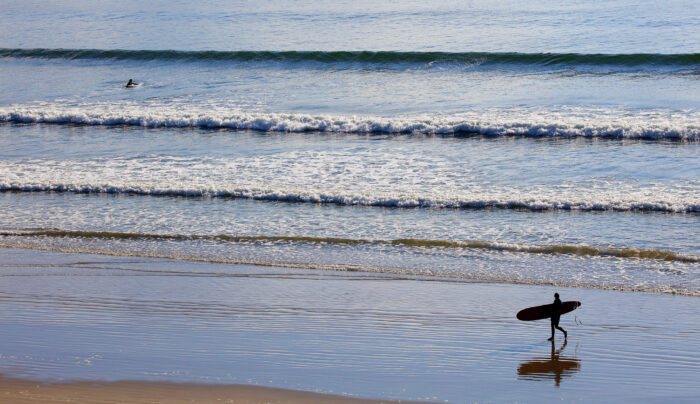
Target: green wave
pixel 578 250
pixel 369 57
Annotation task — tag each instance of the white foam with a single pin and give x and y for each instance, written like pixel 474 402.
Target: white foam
pixel 559 121
pixel 339 178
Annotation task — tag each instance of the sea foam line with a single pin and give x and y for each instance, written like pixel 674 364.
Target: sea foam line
pixel 589 123
pixel 420 274
pixel 578 250
pixel 531 204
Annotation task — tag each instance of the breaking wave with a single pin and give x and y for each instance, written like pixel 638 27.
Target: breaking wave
pixel 525 202
pixel 563 122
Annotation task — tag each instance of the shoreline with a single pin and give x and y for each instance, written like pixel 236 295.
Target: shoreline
pixel 353 268
pixel 142 325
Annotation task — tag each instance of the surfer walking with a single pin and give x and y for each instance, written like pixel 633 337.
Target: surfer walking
pixel 552 311
pixel 556 313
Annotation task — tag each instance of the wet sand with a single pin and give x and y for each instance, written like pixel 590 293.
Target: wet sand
pixel 201 331
pixel 14 391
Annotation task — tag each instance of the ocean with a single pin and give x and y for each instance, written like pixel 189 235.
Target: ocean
pixel 401 138
pixel 538 143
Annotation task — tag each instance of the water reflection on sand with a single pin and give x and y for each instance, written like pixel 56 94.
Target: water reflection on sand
pixel 79 317
pixel 556 366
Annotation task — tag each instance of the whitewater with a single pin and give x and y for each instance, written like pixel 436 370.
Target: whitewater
pixel 567 154
pixel 562 121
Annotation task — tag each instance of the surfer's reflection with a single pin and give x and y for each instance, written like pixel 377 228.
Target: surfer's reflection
pixel 555 367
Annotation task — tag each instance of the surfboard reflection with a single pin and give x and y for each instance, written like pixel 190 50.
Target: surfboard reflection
pixel 555 367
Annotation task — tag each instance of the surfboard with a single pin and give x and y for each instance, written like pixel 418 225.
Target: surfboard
pixel 545 311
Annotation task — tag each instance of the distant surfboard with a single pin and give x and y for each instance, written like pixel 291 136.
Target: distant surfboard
pixel 545 311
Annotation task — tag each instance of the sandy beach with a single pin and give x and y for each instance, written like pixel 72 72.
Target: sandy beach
pixel 23 391
pixel 142 330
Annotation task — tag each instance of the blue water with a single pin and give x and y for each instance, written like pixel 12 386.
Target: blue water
pixel 446 144
pixel 538 143
pixel 616 26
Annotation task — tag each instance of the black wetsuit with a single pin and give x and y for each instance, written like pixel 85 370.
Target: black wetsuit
pixel 556 313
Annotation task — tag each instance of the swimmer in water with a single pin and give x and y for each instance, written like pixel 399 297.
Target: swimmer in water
pixel 130 83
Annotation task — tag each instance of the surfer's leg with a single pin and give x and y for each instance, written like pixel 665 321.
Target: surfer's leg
pixel 552 337
pixel 562 330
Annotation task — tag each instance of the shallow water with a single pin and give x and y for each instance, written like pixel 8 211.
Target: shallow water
pixel 73 317
pixel 574 198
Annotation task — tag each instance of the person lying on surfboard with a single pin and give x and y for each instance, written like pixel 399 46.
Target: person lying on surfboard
pixel 556 312
pixel 130 83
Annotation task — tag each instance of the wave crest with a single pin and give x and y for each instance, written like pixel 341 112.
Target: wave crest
pixel 563 122
pixel 370 58
pixel 533 204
